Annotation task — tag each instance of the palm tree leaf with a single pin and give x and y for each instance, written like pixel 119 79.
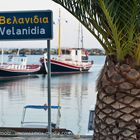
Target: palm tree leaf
pixel 112 22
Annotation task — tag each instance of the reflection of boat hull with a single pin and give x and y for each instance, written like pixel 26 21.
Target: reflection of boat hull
pixel 64 67
pixel 10 71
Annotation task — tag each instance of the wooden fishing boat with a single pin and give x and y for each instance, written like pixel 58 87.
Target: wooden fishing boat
pixel 74 60
pixel 70 60
pixel 17 67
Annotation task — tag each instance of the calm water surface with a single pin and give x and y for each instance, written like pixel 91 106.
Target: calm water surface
pixel 76 94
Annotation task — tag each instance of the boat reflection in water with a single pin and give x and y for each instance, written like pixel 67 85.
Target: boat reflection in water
pixel 13 94
pixel 77 95
pixel 74 93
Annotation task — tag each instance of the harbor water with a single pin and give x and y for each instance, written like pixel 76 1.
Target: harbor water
pixel 75 93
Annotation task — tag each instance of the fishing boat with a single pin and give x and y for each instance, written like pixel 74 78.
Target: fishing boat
pixel 17 67
pixel 74 60
pixel 68 60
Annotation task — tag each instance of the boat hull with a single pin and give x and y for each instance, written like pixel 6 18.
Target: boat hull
pixel 58 67
pixel 6 73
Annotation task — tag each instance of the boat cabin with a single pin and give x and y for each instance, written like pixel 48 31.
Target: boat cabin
pixel 18 59
pixel 74 54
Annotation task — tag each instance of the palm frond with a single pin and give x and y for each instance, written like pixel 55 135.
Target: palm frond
pixel 114 23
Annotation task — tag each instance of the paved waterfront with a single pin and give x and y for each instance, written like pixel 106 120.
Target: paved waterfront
pixel 45 138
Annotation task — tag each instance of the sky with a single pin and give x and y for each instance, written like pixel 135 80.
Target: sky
pixel 69 26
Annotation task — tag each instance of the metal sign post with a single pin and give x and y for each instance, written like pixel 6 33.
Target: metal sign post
pixel 49 89
pixel 29 25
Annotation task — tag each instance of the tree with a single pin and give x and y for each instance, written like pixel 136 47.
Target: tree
pixel 116 25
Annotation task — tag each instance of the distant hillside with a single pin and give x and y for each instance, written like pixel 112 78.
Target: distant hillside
pixel 53 51
pixel 96 51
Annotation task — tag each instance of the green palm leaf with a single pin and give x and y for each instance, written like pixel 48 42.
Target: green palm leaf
pixel 114 23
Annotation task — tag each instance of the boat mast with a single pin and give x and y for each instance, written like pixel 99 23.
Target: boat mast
pixel 59 33
pixel 82 37
pixel 78 34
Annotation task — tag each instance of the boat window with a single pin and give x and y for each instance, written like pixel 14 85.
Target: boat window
pixel 84 57
pixel 65 52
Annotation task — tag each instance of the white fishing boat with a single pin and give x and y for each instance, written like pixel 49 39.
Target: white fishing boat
pixel 68 60
pixel 71 61
pixel 17 67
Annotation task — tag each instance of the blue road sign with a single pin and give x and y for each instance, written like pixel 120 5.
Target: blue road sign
pixel 26 25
